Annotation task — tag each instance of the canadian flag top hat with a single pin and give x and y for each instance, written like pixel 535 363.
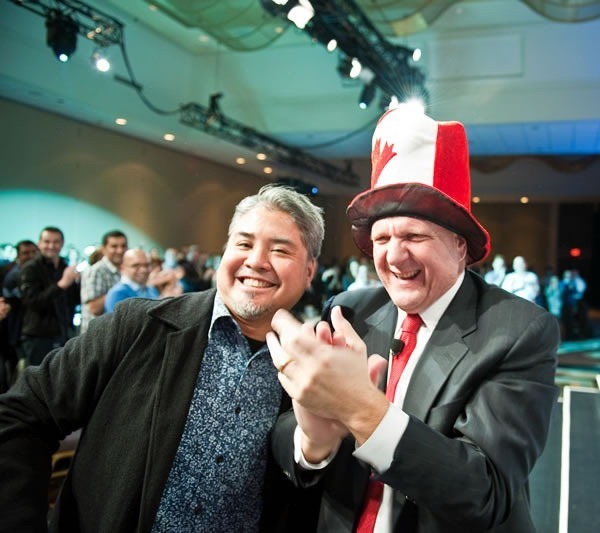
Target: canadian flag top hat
pixel 420 168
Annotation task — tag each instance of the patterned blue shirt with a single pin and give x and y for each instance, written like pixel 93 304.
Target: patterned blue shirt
pixel 216 480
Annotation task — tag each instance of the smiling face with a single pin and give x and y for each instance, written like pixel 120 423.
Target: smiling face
pixel 136 266
pixel 114 249
pixel 50 245
pixel 265 267
pixel 416 260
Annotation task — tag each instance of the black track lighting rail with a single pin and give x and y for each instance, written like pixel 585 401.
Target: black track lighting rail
pixel 105 30
pixel 92 23
pixel 208 120
pixel 356 36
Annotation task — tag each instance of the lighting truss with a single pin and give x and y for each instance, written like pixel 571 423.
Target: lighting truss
pixel 93 24
pixel 357 37
pixel 203 119
pixel 105 30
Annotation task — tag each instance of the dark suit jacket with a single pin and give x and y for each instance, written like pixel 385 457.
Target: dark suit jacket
pixel 479 402
pixel 129 383
pixel 47 309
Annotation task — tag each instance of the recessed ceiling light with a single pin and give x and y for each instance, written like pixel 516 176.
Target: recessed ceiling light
pixel 169 137
pixel 476 199
pixel 240 160
pixel 121 121
pixel 268 170
pixel 152 7
pixel 524 200
pixel 260 156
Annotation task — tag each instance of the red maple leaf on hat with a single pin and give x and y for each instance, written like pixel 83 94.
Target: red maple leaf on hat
pixel 379 159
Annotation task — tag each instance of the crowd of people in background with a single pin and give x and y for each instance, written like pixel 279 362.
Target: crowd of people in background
pixel 111 272
pixel 50 292
pixel 562 295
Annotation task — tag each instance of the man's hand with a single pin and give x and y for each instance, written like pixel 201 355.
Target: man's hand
pixel 326 373
pixel 69 276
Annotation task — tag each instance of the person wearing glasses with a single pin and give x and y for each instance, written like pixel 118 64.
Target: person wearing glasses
pixel 135 271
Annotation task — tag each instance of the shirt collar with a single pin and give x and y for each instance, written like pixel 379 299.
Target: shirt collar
pixel 109 264
pixel 128 281
pixel 222 315
pixel 434 312
pixel 220 311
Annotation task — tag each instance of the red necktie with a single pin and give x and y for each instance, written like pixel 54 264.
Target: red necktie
pixel 410 326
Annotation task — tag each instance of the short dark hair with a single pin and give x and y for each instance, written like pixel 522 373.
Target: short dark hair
pixel 112 234
pixel 53 229
pixel 24 242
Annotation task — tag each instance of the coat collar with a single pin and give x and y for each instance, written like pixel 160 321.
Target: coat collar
pixel 188 310
pixel 189 315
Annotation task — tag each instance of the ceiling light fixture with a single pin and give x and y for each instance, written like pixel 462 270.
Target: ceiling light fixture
pixel 61 34
pixel 301 13
pixel 100 61
pixel 356 37
pixel 356 68
pixel 367 95
pixel 67 18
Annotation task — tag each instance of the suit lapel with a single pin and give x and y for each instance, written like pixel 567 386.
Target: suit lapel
pixel 445 349
pixel 380 327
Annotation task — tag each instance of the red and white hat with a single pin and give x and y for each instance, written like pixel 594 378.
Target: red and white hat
pixel 420 168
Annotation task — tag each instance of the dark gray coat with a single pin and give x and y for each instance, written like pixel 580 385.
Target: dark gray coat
pixel 128 382
pixel 479 402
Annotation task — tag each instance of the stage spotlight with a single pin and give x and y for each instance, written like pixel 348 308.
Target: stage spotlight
pixel 356 68
pixel 100 61
pixel 349 67
pixel 367 95
pixel 61 34
pixel 301 13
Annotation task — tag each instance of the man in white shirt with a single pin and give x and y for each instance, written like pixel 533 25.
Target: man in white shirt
pixel 521 281
pixel 452 448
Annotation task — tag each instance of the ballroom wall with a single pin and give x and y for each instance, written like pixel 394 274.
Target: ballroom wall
pixel 173 199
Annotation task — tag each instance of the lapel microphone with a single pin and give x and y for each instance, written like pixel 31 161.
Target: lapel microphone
pixel 396 346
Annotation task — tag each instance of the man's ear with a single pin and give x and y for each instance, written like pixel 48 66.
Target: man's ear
pixel 311 270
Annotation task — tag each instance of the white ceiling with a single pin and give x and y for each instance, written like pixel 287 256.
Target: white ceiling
pixel 522 84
